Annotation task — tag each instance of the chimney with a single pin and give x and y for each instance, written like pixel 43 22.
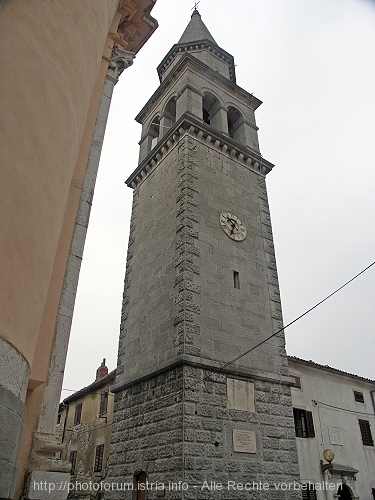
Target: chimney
pixel 102 371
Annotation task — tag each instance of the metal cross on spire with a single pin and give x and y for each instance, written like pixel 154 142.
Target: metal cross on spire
pixel 196 5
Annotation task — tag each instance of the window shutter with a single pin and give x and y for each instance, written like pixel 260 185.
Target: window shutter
pixel 73 461
pixel 305 495
pixel 298 426
pixel 308 492
pixel 312 493
pixel 364 425
pixel 310 424
pixel 99 453
pixel 297 381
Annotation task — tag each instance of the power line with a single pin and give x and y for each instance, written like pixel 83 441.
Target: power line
pixel 295 320
pixel 221 368
pixel 225 365
pixel 317 403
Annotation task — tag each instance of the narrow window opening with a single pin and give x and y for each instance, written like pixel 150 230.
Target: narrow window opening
pixel 236 279
pixel 73 461
pixel 103 403
pixel 78 414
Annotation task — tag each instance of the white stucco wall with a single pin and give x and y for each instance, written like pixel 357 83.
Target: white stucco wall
pixel 330 397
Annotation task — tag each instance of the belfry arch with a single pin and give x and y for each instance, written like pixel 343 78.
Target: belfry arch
pixel 153 133
pixel 170 113
pixel 236 126
pixel 211 108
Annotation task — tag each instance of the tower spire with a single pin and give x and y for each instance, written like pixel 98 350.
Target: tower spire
pixel 196 30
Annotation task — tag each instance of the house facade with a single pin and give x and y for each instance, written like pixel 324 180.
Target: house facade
pixel 84 426
pixel 335 411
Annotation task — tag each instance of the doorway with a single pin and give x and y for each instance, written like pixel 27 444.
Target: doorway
pixel 344 492
pixel 141 479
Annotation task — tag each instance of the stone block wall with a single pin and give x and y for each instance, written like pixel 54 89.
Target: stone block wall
pixel 185 438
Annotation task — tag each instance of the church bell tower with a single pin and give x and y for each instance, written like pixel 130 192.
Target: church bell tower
pixel 194 417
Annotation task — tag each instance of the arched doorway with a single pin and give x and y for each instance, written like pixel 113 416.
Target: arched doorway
pixel 344 492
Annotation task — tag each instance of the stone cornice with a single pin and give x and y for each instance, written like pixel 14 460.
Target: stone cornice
pixel 188 123
pixel 201 45
pixel 213 366
pixel 136 24
pixel 211 74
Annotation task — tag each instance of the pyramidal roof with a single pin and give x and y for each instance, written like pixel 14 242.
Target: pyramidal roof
pixel 196 30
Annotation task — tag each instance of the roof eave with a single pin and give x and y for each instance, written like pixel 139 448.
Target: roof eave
pixel 176 48
pixel 327 368
pixel 90 388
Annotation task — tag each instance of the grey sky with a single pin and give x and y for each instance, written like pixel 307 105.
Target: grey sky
pixel 311 62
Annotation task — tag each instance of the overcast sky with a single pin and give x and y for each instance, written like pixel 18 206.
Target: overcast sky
pixel 311 62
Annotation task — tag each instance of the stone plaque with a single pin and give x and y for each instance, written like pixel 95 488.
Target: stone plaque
pixel 336 435
pixel 240 395
pixel 244 441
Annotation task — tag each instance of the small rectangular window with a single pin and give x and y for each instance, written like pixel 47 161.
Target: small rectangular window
pixel 103 403
pixel 78 414
pixel 308 492
pixel 73 461
pixel 303 423
pixel 99 453
pixel 236 279
pixel 364 426
pixel 358 396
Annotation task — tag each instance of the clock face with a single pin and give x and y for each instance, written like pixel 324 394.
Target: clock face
pixel 233 226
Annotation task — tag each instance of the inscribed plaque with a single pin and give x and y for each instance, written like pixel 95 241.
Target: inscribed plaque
pixel 244 441
pixel 240 395
pixel 336 435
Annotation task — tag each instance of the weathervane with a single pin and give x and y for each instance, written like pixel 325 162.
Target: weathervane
pixel 196 5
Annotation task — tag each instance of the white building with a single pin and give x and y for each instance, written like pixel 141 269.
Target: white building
pixel 334 410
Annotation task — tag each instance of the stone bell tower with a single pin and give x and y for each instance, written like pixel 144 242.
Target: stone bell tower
pixel 201 288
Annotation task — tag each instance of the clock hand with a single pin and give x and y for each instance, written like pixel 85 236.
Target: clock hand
pixel 233 223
